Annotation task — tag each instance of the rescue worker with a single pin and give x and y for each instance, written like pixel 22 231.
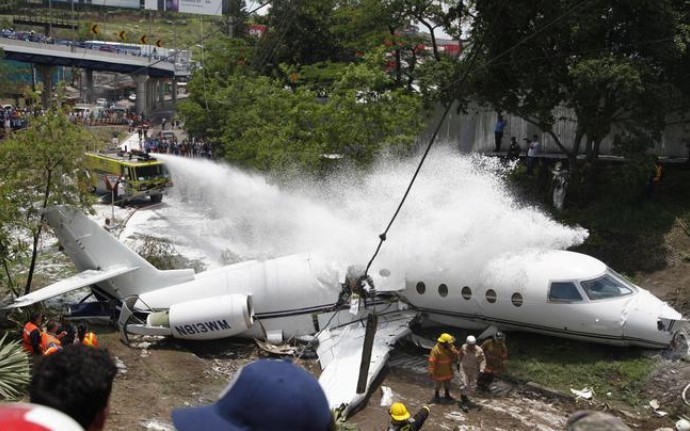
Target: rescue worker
pixel 50 340
pixel 402 421
pixel 472 364
pixel 513 150
pixel 496 354
pixel 441 360
pixel 86 337
pixel 683 425
pixel 69 330
pixel 655 177
pixel 31 334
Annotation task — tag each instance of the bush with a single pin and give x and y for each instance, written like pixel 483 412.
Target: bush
pixel 14 369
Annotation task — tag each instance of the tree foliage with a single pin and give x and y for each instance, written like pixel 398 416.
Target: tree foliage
pixel 42 166
pixel 292 122
pixel 614 64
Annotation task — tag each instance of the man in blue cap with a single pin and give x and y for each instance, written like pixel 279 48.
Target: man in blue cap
pixel 266 395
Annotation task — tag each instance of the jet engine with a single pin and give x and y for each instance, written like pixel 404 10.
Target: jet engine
pixel 206 319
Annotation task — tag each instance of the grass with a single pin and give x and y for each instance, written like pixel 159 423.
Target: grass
pixel 563 364
pixel 627 232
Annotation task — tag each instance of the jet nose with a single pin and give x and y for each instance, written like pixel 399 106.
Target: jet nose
pixel 650 322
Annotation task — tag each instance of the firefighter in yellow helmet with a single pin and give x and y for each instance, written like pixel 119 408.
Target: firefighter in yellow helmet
pixel 441 360
pixel 401 420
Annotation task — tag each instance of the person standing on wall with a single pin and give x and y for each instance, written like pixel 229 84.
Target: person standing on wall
pixel 532 153
pixel 498 131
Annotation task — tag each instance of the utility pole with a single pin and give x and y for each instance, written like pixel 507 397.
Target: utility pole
pixel 50 18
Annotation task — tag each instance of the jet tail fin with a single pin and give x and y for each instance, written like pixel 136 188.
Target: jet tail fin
pixel 91 247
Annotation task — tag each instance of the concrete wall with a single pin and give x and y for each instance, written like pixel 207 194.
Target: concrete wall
pixel 474 132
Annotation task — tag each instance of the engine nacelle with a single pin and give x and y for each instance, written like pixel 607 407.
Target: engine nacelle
pixel 206 319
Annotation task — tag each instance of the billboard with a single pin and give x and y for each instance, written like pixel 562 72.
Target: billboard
pixel 128 4
pixel 200 7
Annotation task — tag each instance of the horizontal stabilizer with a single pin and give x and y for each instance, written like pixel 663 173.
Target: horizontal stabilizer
pixel 340 353
pixel 83 279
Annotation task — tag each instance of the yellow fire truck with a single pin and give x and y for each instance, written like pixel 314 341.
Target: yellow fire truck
pixel 127 176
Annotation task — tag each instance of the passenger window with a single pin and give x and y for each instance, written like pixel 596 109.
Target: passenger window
pixel 443 290
pixel 491 296
pixel 516 299
pixel 564 292
pixel 605 287
pixel 421 288
pixel 466 293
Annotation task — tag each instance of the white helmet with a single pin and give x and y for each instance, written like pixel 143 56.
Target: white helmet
pixel 683 425
pixel 471 340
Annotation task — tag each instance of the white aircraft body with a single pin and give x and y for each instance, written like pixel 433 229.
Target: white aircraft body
pixel 553 292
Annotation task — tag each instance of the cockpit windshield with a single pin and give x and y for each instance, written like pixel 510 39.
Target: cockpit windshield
pixel 605 287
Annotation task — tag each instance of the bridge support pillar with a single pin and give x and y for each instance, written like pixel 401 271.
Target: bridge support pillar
pixel 151 94
pixel 142 105
pixel 161 91
pixel 173 88
pixel 46 73
pixel 88 78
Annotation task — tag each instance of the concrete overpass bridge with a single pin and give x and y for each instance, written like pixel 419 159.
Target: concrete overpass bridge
pixel 148 73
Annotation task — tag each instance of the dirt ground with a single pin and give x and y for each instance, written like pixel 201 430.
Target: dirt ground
pixel 159 375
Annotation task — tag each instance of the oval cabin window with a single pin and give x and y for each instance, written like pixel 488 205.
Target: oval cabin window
pixel 491 296
pixel 466 293
pixel 443 290
pixel 421 288
pixel 516 299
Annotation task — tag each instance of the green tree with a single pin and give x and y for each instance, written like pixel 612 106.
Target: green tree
pixel 42 166
pixel 609 62
pixel 263 124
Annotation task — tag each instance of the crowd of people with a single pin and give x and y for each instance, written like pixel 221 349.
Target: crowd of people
pixel 70 389
pixel 39 340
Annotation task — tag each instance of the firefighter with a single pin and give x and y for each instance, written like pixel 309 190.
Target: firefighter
pixel 472 364
pixel 441 360
pixel 50 340
pixel 496 354
pixel 86 337
pixel 31 334
pixel 402 421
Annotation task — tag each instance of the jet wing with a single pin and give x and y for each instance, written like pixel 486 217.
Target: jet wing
pixel 340 354
pixel 83 279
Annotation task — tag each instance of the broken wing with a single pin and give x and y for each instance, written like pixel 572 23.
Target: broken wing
pixel 83 279
pixel 340 353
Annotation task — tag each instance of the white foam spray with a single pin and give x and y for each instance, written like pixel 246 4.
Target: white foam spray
pixel 458 213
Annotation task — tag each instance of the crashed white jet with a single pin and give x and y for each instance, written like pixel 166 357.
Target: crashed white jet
pixel 554 292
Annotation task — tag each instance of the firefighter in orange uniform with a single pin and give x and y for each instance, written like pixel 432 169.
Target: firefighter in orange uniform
pixel 496 354
pixel 87 338
pixel 50 341
pixel 31 335
pixel 441 360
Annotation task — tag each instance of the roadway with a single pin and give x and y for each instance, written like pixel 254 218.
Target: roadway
pixel 62 55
